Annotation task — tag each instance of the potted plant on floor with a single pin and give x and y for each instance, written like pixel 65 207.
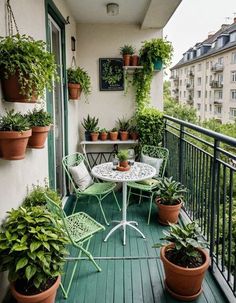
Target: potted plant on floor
pixel 169 200
pixel 123 126
pixel 127 51
pixel 40 122
pixel 185 261
pixel 123 156
pixel 89 124
pixel 113 134
pixel 103 134
pixel 32 249
pixel 78 81
pixel 26 68
pixel 14 135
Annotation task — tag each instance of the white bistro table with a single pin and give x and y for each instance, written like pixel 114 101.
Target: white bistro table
pixel 139 171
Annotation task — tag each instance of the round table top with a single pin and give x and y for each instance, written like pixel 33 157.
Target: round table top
pixel 139 171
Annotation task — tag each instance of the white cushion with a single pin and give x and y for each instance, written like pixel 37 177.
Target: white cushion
pixel 81 176
pixel 155 162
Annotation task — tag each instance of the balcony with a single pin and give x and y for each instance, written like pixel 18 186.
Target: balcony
pixel 216 84
pixel 191 74
pixel 217 67
pixel 189 86
pixel 174 77
pixel 190 100
pixel 218 101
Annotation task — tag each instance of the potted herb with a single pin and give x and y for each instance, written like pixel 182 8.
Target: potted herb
pixel 123 156
pixel 78 81
pixel 26 68
pixel 113 134
pixel 14 135
pixel 40 122
pixel 32 249
pixel 169 201
pixel 89 124
pixel 94 134
pixel 185 261
pixel 127 51
pixel 123 126
pixel 103 134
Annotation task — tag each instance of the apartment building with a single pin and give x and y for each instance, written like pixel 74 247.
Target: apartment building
pixel 205 77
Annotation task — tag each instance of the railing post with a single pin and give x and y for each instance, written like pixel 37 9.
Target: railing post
pixel 181 152
pixel 165 133
pixel 213 195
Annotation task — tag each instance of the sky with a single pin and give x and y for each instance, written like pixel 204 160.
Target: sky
pixel 193 20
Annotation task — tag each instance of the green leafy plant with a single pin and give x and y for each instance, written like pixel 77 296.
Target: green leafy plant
pixel 133 127
pixel 32 248
pixel 103 130
pixel 150 126
pixel 127 49
pixel 80 76
pixel 123 124
pixel 123 155
pixel 14 121
pixel 111 73
pixel 36 196
pixel 114 130
pixel 29 58
pixel 170 191
pixel 90 123
pixel 95 130
pixel 185 239
pixel 39 117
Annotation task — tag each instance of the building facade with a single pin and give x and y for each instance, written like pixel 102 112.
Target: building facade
pixel 205 77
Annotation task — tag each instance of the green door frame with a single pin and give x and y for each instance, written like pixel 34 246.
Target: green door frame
pixel 52 10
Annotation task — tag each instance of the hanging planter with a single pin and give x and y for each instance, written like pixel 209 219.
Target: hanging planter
pixel 158 64
pixel 78 81
pixel 74 90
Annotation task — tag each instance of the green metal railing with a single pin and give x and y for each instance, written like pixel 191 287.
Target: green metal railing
pixel 205 162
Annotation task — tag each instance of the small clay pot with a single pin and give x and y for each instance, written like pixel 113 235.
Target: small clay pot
pixel 126 60
pixel 168 213
pixel 124 163
pixel 103 136
pixel 134 60
pixel 124 135
pixel 94 136
pixel 39 136
pixel 74 91
pixel 134 135
pixel 113 136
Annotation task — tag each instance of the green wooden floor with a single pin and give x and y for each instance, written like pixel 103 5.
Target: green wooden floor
pixel 131 280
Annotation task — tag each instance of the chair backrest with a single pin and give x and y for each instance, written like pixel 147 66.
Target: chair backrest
pixel 73 160
pixel 157 152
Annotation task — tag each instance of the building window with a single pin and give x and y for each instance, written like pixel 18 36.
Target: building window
pixel 233 61
pixel 218 95
pixel 220 42
pixel 206 79
pixel 185 71
pixel 210 94
pixel 220 78
pixel 199 80
pixel 233 37
pixel 180 94
pixel 232 112
pixel 210 78
pixel 218 109
pixel 233 94
pixel 198 106
pixel 199 67
pixel 199 51
pixel 205 108
pixel 184 94
pixel 207 65
pixel 210 107
pixel 221 60
pixel 180 82
pixel 205 93
pixel 233 76
pixel 199 94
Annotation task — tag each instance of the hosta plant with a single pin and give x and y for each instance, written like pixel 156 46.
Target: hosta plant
pixel 32 249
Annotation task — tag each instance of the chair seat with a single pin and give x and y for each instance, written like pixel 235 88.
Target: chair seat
pixel 81 226
pixel 99 188
pixel 141 186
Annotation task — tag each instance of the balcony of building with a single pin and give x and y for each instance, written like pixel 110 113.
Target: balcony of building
pixel 217 67
pixel 218 101
pixel 191 74
pixel 190 86
pixel 216 84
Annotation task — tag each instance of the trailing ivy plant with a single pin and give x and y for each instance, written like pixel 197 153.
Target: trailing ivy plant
pixel 22 55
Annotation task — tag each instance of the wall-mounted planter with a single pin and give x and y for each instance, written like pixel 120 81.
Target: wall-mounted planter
pixel 74 91
pixel 13 144
pixel 39 136
pixel 158 64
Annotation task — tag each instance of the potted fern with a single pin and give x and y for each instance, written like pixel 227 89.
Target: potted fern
pixel 78 81
pixel 40 122
pixel 169 201
pixel 27 68
pixel 32 249
pixel 14 135
pixel 185 261
pixel 89 124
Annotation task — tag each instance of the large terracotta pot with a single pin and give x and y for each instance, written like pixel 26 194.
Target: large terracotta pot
pixel 48 296
pixel 126 60
pixel 11 90
pixel 113 136
pixel 74 91
pixel 182 283
pixel 94 136
pixel 39 136
pixel 168 213
pixel 124 135
pixel 13 144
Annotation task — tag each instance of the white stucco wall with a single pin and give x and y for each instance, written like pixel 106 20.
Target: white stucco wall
pixel 104 41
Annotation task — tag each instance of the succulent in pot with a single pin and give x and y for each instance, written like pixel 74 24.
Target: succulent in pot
pixel 123 125
pixel 185 261
pixel 123 156
pixel 113 134
pixel 103 134
pixel 95 134
pixel 40 122
pixel 32 249
pixel 127 51
pixel 14 135
pixel 133 128
pixel 78 81
pixel 89 124
pixel 170 194
pixel 27 68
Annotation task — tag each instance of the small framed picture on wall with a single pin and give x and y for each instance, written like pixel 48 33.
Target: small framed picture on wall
pixel 111 76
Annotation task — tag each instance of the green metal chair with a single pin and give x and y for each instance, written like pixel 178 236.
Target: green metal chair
pixel 146 190
pixel 99 190
pixel 80 228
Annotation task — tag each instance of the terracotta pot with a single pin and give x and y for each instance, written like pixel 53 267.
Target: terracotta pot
pixel 48 296
pixel 103 136
pixel 94 136
pixel 13 144
pixel 134 136
pixel 124 163
pixel 124 135
pixel 11 90
pixel 39 136
pixel 126 60
pixel 182 283
pixel 74 91
pixel 134 60
pixel 168 213
pixel 113 136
